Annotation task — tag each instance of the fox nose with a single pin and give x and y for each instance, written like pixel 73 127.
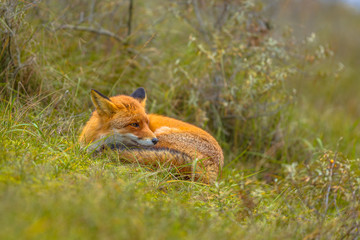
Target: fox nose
pixel 155 140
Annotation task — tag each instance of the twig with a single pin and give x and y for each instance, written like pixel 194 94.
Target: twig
pixel 348 232
pixel 91 14
pixel 132 59
pixel 187 20
pixel 266 114
pixel 200 20
pixel 130 17
pixel 330 181
pixel 221 19
pixel 100 31
pixel 329 188
pixel 304 201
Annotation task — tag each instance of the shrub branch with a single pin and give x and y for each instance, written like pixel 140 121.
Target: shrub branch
pixel 101 31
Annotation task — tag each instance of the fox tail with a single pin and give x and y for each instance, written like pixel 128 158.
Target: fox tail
pixel 186 165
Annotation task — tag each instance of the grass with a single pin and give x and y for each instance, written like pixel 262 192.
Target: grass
pixel 287 174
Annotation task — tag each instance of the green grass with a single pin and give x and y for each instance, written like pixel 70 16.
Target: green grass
pixel 51 188
pixel 287 174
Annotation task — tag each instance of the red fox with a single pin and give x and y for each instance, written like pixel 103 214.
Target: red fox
pixel 121 122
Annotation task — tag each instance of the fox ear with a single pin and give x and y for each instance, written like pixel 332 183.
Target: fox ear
pixel 103 104
pixel 140 95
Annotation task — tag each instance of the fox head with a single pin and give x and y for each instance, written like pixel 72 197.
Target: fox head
pixel 119 120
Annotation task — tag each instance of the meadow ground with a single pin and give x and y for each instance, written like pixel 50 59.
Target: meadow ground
pixel 282 103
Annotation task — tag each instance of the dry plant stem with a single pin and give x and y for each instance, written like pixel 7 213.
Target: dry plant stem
pixel 130 17
pixel 330 182
pixel 92 7
pixel 302 198
pixel 352 228
pixel 222 18
pixel 100 31
pixel 201 22
pixel 133 58
pixel 329 189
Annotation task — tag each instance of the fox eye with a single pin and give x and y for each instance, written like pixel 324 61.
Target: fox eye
pixel 135 125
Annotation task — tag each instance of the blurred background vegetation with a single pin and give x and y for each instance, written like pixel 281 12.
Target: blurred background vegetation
pixel 274 81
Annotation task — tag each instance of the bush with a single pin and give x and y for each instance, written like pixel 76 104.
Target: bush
pixel 216 64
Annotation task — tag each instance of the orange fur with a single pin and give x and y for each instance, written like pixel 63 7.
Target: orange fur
pixel 179 144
